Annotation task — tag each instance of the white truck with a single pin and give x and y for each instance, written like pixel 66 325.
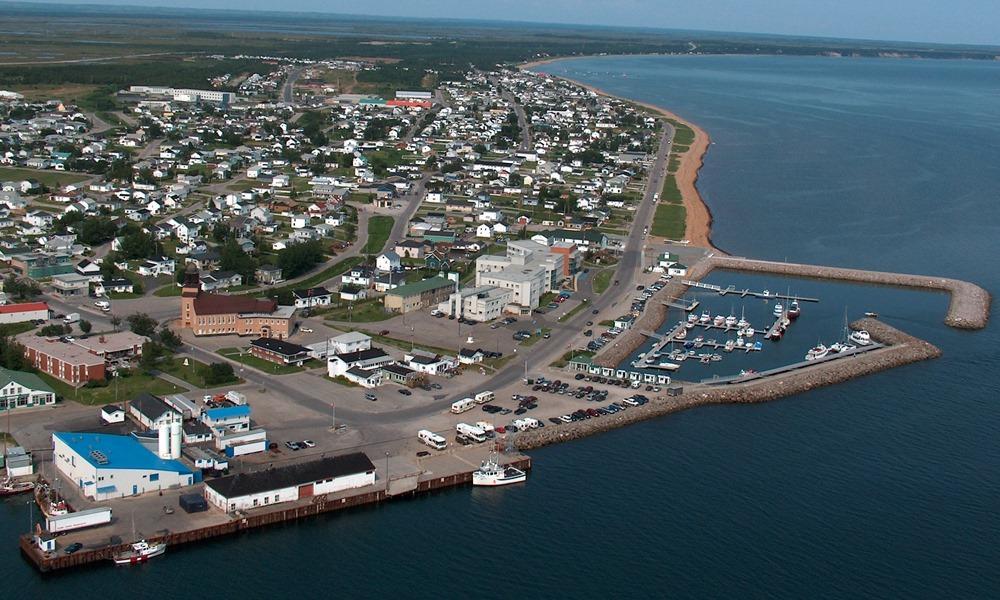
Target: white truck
pixel 460 406
pixel 484 397
pixel 432 439
pixel 486 427
pixel 71 318
pixel 470 432
pixel 236 397
pixel 525 423
pixel 78 520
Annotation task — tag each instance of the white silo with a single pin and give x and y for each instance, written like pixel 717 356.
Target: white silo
pixel 163 448
pixel 175 440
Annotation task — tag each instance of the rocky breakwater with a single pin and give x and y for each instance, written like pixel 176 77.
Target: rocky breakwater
pixel 901 349
pixel 969 307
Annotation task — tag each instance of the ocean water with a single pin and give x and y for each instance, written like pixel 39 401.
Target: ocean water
pixel 887 486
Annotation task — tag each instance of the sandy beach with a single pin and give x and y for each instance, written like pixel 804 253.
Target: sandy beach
pixel 698 224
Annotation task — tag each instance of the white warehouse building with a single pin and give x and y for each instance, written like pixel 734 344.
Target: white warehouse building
pixel 114 466
pixel 245 491
pixel 529 270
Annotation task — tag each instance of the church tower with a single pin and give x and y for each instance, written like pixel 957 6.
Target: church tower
pixel 189 293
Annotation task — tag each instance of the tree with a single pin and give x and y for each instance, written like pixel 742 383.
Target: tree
pixel 142 324
pixel 170 339
pixel 85 326
pixel 12 354
pixel 138 244
pixel 109 270
pixel 217 374
pixel 232 258
pixel 220 232
pixel 116 321
pixel 54 330
pixel 299 258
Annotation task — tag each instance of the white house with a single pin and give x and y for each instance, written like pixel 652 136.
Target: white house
pixel 388 262
pixel 308 298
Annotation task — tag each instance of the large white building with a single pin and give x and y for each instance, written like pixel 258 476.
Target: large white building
pixel 184 95
pixel 529 269
pixel 478 303
pixel 287 484
pixel 114 466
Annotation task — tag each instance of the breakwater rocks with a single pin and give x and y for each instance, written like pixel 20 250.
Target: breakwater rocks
pixel 901 349
pixel 969 307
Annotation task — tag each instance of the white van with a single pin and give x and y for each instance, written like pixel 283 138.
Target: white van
pixel 470 432
pixel 432 439
pixel 460 406
pixel 484 397
pixel 104 305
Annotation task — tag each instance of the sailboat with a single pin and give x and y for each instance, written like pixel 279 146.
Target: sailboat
pixel 140 551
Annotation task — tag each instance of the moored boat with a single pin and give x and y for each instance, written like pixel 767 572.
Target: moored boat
pixel 794 310
pixel 778 309
pixel 492 473
pixel 861 337
pixel 139 552
pixel 817 351
pixel 9 487
pixel 706 317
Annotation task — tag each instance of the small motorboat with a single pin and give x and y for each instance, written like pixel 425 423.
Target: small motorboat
pixel 861 337
pixel 871 315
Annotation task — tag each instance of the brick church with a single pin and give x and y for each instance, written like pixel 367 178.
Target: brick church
pixel 205 313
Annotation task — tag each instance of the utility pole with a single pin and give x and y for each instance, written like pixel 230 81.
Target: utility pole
pixel 387 473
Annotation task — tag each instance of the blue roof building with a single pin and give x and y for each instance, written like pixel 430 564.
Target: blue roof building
pixel 114 466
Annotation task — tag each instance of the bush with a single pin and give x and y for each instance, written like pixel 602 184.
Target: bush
pixel 218 374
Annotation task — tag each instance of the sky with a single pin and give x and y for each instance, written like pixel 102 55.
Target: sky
pixel 943 21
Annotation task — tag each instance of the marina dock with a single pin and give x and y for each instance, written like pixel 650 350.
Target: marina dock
pixel 681 304
pixel 765 295
pixel 450 469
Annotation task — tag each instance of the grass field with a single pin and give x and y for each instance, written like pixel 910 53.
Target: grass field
pixel 191 373
pixel 572 313
pixel 258 363
pixel 168 290
pixel 368 311
pixel 669 221
pixel 379 228
pixel 16 328
pixel 47 178
pixel 338 268
pixel 118 389
pixel 602 280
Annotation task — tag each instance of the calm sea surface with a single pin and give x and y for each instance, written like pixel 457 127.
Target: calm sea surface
pixel 886 486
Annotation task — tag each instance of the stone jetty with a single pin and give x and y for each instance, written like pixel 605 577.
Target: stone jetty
pixel 901 349
pixel 969 307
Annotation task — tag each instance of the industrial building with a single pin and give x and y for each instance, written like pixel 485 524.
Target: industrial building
pixel 184 95
pixel 62 360
pixel 24 312
pixel 288 484
pixel 116 466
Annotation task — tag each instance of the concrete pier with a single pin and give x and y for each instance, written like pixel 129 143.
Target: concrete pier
pixel 900 349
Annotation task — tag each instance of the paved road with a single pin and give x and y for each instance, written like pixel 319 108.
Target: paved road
pixel 288 90
pixel 99 124
pixel 152 148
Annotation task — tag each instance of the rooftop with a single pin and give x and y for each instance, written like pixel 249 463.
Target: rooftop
pixel 116 452
pixel 244 484
pixel 419 287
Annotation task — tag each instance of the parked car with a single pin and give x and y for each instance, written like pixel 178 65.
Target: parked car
pixel 308 443
pixel 74 547
pixel 405 392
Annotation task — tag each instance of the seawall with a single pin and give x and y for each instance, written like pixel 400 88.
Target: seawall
pixel 901 349
pixel 969 307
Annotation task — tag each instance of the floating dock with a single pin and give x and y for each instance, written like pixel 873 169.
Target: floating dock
pixel 681 304
pixel 765 295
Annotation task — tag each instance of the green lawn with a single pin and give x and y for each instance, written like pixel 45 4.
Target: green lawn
pixel 46 177
pixel 536 337
pixel 168 290
pixel 572 313
pixel 16 328
pixel 602 280
pixel 379 228
pixel 671 193
pixel 669 221
pixel 127 388
pixel 191 373
pixel 338 268
pixel 123 295
pixel 259 364
pixel 368 311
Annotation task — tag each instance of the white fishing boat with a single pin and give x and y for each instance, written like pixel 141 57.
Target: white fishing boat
pixel 492 473
pixel 778 309
pixel 668 366
pixel 706 317
pixel 730 320
pixel 794 310
pixel 719 320
pixel 681 334
pixel 730 345
pixel 139 552
pixel 9 487
pixel 818 351
pixel 861 337
pixel 749 332
pixel 692 318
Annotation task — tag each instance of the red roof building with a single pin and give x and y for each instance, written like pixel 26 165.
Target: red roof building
pixel 21 313
pixel 205 313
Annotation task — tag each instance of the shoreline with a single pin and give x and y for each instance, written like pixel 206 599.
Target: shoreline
pixel 698 216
